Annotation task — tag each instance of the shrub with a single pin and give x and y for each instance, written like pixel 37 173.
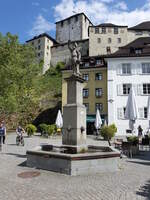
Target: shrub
pixel 107 132
pixel 30 129
pixel 47 129
pixel 43 129
pixel 51 129
pixel 133 139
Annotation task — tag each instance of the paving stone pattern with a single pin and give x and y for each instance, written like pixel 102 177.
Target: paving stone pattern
pixel 131 182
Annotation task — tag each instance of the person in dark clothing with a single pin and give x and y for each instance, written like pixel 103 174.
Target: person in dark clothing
pixel 2 134
pixel 140 131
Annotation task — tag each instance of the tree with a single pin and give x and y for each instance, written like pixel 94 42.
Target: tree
pixel 19 71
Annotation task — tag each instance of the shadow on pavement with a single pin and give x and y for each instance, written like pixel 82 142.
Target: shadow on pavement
pixel 17 155
pixel 23 164
pixel 143 158
pixel 144 191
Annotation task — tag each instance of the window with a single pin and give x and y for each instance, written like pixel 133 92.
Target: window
pixel 68 21
pixel 119 40
pixel 108 49
pixel 145 113
pixel 121 112
pixel 32 43
pixel 115 30
pixel 98 40
pixel 98 92
pixel 145 68
pixel 138 33
pixel 98 106
pixel 48 40
pixel 76 18
pixel 109 40
pixel 104 30
pixel 62 23
pixel 47 47
pixel 86 77
pixel 96 30
pixel 126 89
pixel 146 88
pixel 39 47
pixel 86 64
pixel 39 41
pixel 138 51
pixel 47 53
pixel 98 76
pixel 39 54
pixel 99 62
pixel 85 93
pixel 126 68
pixel 87 107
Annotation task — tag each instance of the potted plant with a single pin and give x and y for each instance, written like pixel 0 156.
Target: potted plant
pixel 134 140
pixel 30 129
pixel 108 132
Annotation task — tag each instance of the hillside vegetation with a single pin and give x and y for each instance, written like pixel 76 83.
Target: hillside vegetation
pixel 24 91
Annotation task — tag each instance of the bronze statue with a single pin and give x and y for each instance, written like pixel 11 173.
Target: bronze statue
pixel 75 57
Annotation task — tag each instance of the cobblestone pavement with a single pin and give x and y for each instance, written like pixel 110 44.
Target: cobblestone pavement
pixel 131 182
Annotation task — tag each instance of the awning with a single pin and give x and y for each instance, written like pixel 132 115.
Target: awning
pixel 91 118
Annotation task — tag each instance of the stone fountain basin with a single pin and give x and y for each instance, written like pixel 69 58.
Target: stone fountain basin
pixel 98 159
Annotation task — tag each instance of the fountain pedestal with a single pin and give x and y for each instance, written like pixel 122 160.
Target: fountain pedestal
pixel 74 116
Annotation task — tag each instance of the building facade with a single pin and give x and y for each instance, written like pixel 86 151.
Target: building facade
pixel 61 53
pixel 138 31
pixel 106 38
pixel 129 67
pixel 72 28
pixel 42 45
pixel 94 71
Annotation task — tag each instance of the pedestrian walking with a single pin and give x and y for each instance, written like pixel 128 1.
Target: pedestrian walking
pixel 140 131
pixel 2 134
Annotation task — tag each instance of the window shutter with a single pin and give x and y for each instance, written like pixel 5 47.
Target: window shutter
pixel 141 113
pixel 139 69
pixel 119 89
pixel 120 113
pixel 119 69
pixel 139 89
pixel 134 86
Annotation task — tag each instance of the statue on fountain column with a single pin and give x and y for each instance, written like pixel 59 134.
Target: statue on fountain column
pixel 75 57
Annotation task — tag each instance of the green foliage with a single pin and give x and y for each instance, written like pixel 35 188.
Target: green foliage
pixel 51 129
pixel 30 129
pixel 43 129
pixel 47 129
pixel 18 73
pixel 133 139
pixel 107 132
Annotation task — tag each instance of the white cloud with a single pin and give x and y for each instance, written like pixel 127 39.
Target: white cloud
pixel 100 11
pixel 35 4
pixel 121 5
pixel 41 25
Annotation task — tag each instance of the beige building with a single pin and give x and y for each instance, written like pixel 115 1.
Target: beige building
pixel 42 44
pixel 106 38
pixel 140 30
pixel 73 28
pixel 61 53
pixel 94 71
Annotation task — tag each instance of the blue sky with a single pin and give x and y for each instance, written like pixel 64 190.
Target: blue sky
pixel 27 18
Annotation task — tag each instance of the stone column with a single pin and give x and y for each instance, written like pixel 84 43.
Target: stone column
pixel 74 115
